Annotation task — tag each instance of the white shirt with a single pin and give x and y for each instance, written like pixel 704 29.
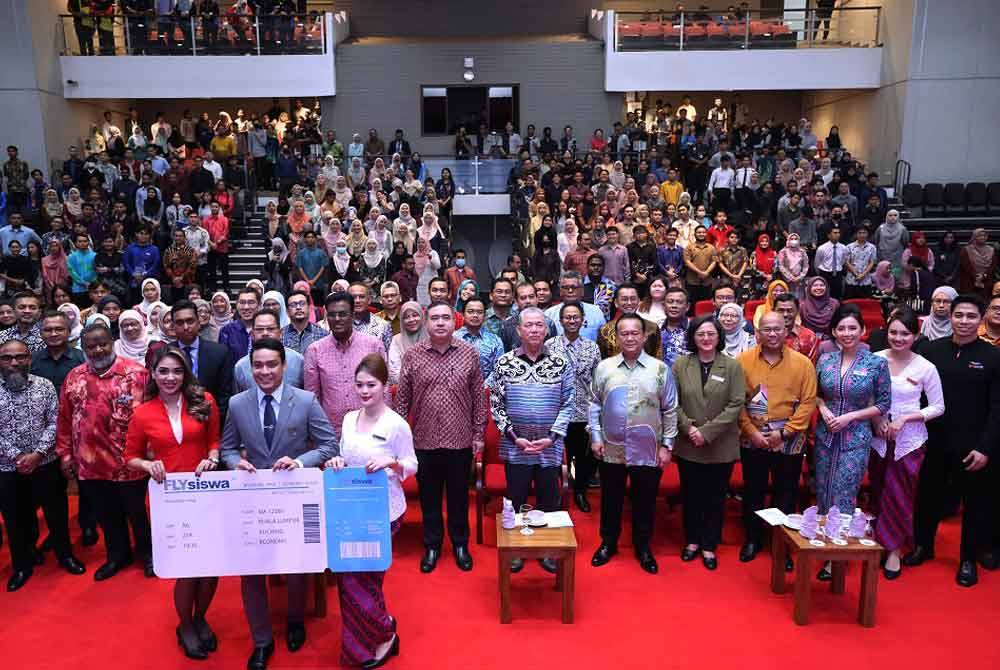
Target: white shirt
pixel 275 404
pixel 918 376
pixel 830 257
pixel 176 423
pixel 722 178
pixel 692 113
pixel 214 168
pixel 744 177
pixel 390 436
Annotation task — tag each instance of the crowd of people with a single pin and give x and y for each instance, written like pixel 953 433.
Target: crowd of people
pixel 619 338
pixel 146 27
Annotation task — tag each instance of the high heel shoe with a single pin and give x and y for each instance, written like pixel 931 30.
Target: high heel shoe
pixel 379 662
pixel 196 652
pixel 206 635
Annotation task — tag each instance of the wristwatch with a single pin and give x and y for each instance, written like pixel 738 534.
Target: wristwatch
pixel 215 461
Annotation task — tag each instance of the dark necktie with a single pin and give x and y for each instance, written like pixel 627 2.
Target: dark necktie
pixel 190 354
pixel 269 420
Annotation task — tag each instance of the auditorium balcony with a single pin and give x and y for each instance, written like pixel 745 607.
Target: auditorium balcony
pixel 789 49
pixel 230 56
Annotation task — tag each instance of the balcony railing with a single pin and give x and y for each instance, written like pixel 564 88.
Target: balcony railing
pixel 228 35
pixel 846 27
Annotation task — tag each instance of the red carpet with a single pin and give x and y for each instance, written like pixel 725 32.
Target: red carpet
pixel 685 617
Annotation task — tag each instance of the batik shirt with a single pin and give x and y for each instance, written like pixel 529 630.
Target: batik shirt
pixel 583 355
pixel 33 339
pixel 533 400
pixel 94 413
pixel 28 422
pixel 633 409
pixel 489 346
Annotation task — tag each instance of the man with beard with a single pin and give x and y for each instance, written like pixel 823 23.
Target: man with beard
pixel 28 468
pixel 95 408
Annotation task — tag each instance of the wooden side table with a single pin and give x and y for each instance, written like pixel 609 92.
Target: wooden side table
pixel 555 543
pixel 808 557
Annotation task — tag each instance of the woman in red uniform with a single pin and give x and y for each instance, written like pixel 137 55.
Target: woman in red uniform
pixel 177 430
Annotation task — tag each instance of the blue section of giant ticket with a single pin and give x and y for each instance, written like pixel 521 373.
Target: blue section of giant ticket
pixel 358 537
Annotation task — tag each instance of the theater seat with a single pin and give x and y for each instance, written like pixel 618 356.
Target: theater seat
pixel 954 198
pixel 975 197
pixel 750 308
pixel 913 195
pixel 933 198
pixel 704 307
pixel 993 197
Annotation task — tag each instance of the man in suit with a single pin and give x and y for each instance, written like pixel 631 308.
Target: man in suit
pixel 274 425
pixel 212 363
pixel 400 146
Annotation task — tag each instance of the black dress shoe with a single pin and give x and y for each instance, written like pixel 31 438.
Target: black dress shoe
pixel 258 657
pixel 789 565
pixel 39 557
pixel 89 537
pixel 891 574
pixel 430 560
pixel 147 568
pixel 967 575
pixel 603 554
pixel 18 579
pixel 192 649
pixel 710 562
pixel 646 561
pixel 205 633
pixel 516 564
pixel 688 555
pixel 549 565
pixel 824 574
pixel 72 565
pixel 379 662
pixel 749 551
pixel 295 636
pixel 110 569
pixel 581 502
pixel 990 560
pixel 918 556
pixel 463 559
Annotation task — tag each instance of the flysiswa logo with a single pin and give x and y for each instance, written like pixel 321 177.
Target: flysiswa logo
pixel 175 485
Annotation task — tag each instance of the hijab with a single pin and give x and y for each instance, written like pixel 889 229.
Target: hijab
pixel 816 312
pixel 72 313
pixel 356 239
pixel 332 233
pixel 51 205
pixel 54 268
pixel 764 258
pixel 981 255
pixel 883 279
pixel 220 320
pixel 738 340
pixel 256 285
pixel 381 234
pixel 153 326
pixel 921 251
pixel 404 340
pixel 793 256
pixel 74 204
pixel 768 305
pixel 936 327
pixel 145 306
pixel 372 257
pixel 134 350
pixel 278 252
pixel 283 319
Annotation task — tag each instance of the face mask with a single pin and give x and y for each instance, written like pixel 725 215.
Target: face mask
pixel 459 263
pixel 837 216
pixel 342 251
pixel 794 244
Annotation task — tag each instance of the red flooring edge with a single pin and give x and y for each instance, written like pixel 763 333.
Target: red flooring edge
pixel 685 617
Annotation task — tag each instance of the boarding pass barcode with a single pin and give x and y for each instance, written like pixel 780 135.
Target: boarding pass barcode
pixel 310 523
pixel 360 550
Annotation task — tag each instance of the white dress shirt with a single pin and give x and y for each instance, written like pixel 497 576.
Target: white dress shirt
pixel 919 376
pixel 830 257
pixel 744 177
pixel 722 178
pixel 390 436
pixel 276 403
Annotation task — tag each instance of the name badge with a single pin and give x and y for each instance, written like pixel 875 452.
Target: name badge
pixel 975 365
pixel 719 379
pixel 860 373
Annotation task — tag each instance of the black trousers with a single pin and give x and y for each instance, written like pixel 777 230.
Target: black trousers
pixel 520 477
pixel 698 292
pixel 758 466
pixel 441 471
pixel 86 517
pixel 703 499
pixel 721 197
pixel 644 482
pixel 119 505
pixel 20 496
pixel 580 455
pixel 836 282
pixel 852 292
pixel 218 265
pixel 940 467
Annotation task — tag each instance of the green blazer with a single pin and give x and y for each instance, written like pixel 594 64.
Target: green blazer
pixel 714 409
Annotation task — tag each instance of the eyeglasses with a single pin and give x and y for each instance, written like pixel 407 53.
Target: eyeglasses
pixel 771 331
pixel 10 358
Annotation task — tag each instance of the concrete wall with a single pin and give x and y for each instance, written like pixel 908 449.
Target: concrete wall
pixel 560 80
pixel 871 122
pixel 953 92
